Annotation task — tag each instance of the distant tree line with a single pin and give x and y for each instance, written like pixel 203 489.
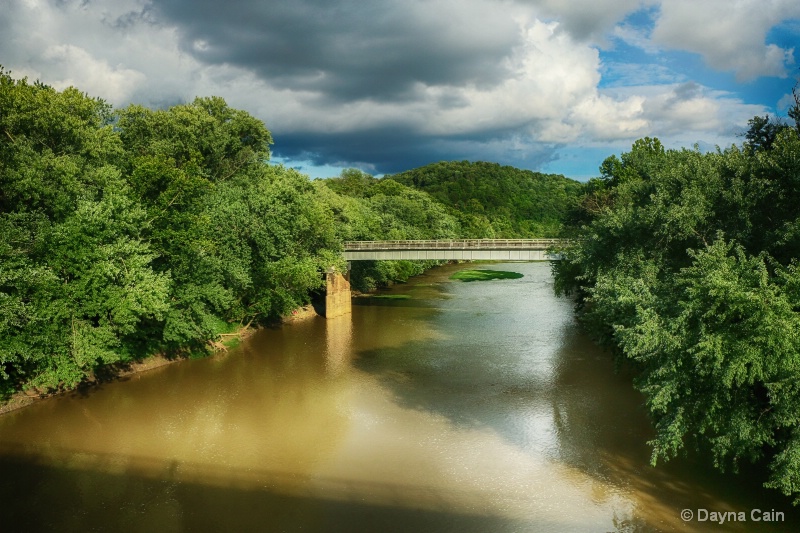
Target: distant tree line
pixel 688 269
pixel 494 201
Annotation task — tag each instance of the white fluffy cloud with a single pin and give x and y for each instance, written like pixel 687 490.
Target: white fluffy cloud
pixel 111 49
pixel 74 66
pixel 730 35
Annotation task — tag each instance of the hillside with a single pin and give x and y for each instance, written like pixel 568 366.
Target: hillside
pixel 492 200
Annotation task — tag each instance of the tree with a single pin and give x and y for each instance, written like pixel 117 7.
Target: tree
pixel 53 147
pixel 689 273
pixel 178 161
pixel 794 110
pixel 76 278
pixel 762 132
pixel 492 200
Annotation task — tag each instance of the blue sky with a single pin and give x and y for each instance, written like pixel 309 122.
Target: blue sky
pixel 390 85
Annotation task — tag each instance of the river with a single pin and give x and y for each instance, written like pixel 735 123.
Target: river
pixel 457 407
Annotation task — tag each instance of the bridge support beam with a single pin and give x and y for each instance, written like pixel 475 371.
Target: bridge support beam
pixel 451 255
pixel 456 249
pixel 337 294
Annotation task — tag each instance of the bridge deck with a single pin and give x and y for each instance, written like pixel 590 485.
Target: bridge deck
pixel 455 249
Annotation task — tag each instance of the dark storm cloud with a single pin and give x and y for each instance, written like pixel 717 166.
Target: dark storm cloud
pixel 393 150
pixel 130 19
pixel 381 51
pixel 587 19
pixel 349 50
pixel 687 91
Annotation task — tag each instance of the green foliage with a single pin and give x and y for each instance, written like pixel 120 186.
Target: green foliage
pixel 75 273
pixel 371 209
pixel 352 182
pixel 155 234
pixel 53 147
pixel 241 239
pixel 762 133
pixel 794 110
pixel 494 201
pixel 687 269
pixel 206 137
pixel 77 290
pixel 484 275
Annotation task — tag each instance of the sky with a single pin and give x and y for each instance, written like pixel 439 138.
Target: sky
pixel 389 85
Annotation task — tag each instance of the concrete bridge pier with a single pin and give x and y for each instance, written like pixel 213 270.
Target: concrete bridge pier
pixel 337 293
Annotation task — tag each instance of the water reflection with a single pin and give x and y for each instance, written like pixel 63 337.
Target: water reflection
pixel 339 342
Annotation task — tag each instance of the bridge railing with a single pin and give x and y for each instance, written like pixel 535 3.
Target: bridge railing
pixel 454 244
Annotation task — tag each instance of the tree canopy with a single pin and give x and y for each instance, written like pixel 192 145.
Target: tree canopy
pixel 688 269
pixel 367 208
pixel 494 201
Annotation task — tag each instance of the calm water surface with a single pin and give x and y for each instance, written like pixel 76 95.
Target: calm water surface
pixel 468 407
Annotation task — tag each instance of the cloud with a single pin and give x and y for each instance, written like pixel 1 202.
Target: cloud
pixel 730 36
pixel 548 97
pixel 347 50
pixel 111 50
pixel 76 67
pixel 473 71
pixel 587 20
pixel 682 114
pixel 787 101
pixel 388 85
pixel 384 144
pixel 635 36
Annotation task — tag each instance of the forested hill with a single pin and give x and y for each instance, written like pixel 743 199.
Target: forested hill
pixel 498 201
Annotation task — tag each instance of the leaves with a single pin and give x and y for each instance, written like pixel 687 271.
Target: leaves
pixel 491 200
pixel 689 273
pixel 115 242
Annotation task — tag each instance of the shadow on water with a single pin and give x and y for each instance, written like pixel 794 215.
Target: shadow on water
pixel 604 428
pixel 150 495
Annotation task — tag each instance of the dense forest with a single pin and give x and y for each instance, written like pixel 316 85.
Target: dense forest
pixel 494 201
pixel 688 269
pixel 125 233
pixel 367 208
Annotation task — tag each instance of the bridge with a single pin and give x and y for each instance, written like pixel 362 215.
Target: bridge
pixel 337 297
pixel 455 249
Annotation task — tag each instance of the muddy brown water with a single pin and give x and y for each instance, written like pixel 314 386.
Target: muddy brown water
pixel 467 407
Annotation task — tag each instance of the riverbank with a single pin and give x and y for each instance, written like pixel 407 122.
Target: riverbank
pixel 116 372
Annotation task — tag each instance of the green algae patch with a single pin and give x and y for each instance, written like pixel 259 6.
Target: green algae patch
pixel 484 275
